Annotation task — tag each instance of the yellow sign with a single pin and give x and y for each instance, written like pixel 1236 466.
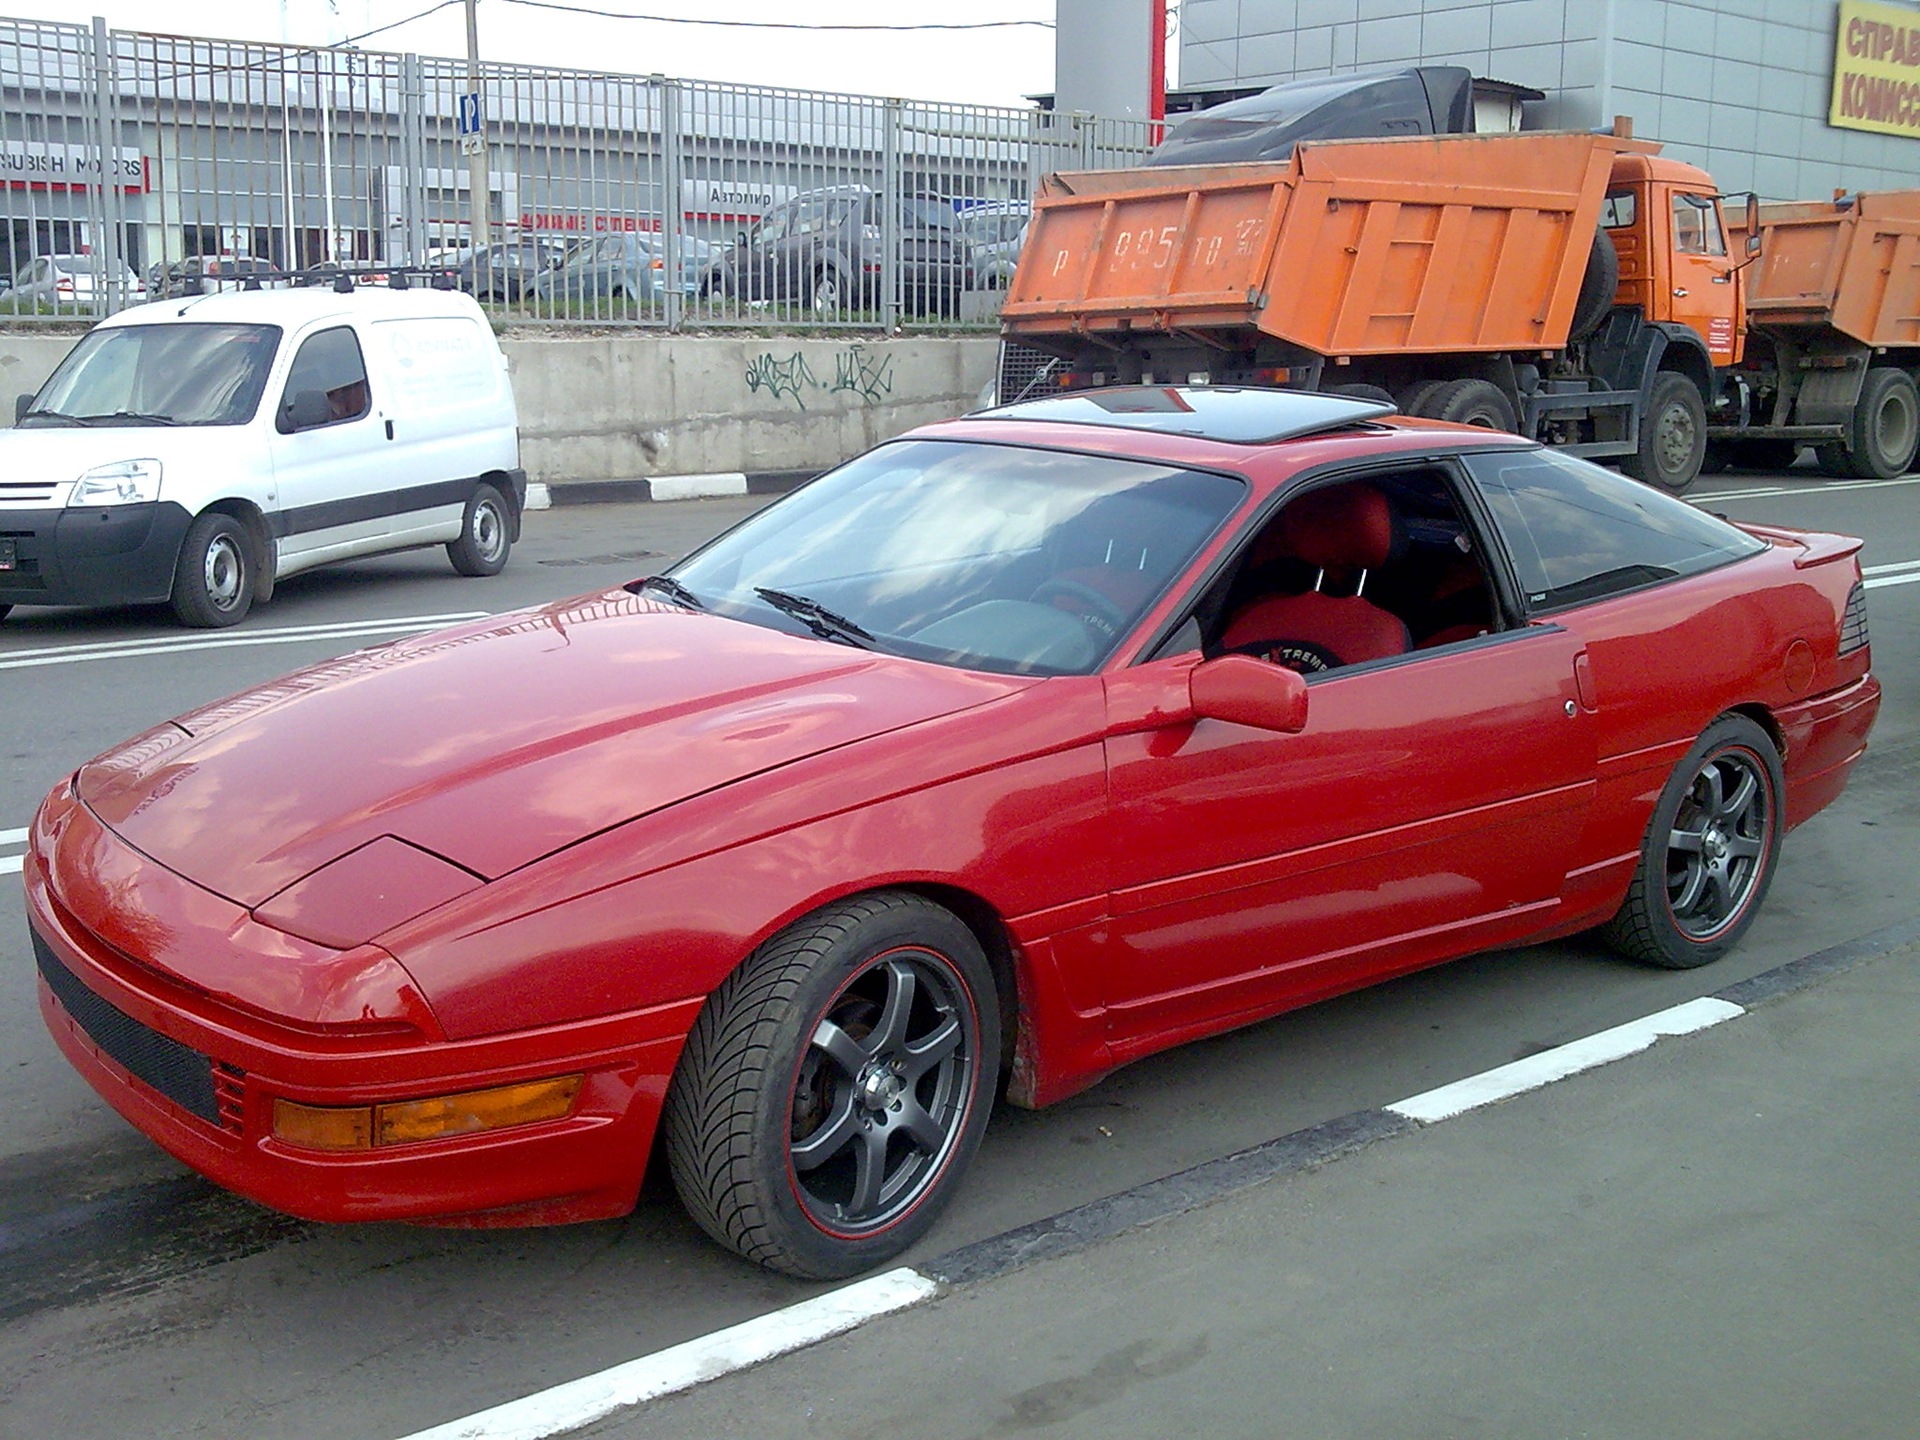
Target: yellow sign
pixel 1876 69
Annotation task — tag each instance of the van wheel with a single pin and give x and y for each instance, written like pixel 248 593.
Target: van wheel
pixel 485 535
pixel 213 579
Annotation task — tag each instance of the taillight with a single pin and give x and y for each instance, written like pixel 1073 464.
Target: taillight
pixel 1853 620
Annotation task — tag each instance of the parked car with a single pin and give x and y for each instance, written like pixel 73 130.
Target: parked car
pixel 994 232
pixel 209 274
pixel 504 271
pixel 622 267
pixel 1015 750
pixel 200 453
pixel 71 281
pixel 824 249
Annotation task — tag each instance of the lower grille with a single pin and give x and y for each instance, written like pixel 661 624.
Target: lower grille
pixel 180 1073
pixel 1025 373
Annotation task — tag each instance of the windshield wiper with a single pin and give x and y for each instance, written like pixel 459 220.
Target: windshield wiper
pixel 57 416
pixel 817 618
pixel 672 589
pixel 125 417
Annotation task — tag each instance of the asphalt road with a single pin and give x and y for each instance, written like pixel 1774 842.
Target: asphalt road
pixel 134 1298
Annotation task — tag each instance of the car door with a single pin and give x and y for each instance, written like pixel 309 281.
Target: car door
pixel 1432 804
pixel 332 478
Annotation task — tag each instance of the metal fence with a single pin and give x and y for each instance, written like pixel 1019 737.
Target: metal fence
pixel 138 165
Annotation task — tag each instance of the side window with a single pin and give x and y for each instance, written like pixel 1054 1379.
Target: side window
pixel 1618 211
pixel 1575 532
pixel 330 362
pixel 1696 226
pixel 774 225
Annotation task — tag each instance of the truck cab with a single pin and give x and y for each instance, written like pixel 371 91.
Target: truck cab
pixel 1676 266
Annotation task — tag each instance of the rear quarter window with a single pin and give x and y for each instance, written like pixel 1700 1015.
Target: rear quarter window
pixel 1575 532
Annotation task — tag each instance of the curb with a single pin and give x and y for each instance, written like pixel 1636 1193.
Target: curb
pixel 553 494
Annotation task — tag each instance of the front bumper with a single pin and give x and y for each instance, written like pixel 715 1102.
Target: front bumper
pixel 198 1074
pixel 92 554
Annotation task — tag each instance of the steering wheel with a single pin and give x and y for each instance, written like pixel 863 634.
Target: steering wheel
pixel 1094 609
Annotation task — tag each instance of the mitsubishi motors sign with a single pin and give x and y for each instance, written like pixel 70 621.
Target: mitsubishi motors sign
pixel 36 165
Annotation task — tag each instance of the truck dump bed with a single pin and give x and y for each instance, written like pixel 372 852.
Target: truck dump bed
pixel 1854 266
pixel 1359 247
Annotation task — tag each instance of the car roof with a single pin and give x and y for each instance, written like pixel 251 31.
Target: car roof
pixel 1236 415
pixel 300 306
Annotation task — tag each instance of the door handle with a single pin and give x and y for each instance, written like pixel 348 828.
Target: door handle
pixel 1723 279
pixel 1679 292
pixel 389 429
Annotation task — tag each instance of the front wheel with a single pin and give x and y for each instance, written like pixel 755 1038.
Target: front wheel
pixel 835 1087
pixel 1673 435
pixel 1709 851
pixel 213 578
pixel 485 535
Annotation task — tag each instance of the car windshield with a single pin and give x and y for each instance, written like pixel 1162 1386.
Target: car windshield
pixel 987 557
pixel 160 374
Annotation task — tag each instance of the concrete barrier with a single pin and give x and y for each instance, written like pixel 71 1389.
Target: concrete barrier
pixel 679 410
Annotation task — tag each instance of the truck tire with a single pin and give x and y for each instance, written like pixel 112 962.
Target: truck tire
pixel 1413 398
pixel 1886 425
pixel 1673 435
pixel 1598 287
pixel 1471 402
pixel 1362 392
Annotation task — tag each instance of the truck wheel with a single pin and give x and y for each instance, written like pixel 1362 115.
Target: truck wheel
pixel 1362 392
pixel 213 578
pixel 1886 425
pixel 1673 435
pixel 1413 398
pixel 5 610
pixel 1598 287
pixel 485 535
pixel 1471 402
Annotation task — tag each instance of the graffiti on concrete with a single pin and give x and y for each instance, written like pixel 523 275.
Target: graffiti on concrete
pixel 856 371
pixel 778 377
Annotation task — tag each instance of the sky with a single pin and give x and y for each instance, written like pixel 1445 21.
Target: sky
pixel 998 66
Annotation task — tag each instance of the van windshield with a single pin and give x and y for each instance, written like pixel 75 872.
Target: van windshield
pixel 159 375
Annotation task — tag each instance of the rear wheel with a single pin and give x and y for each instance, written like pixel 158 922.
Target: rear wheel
pixel 1886 425
pixel 835 1087
pixel 826 296
pixel 1471 402
pixel 1362 392
pixel 1709 851
pixel 1673 435
pixel 485 535
pixel 213 578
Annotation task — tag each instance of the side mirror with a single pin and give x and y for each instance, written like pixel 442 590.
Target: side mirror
pixel 307 410
pixel 1246 691
pixel 1753 224
pixel 21 404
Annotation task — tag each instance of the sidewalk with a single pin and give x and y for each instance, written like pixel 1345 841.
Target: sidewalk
pixel 1717 1238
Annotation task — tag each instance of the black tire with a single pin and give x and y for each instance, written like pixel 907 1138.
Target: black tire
pixel 1673 435
pixel 1472 402
pixel 1833 462
pixel 486 534
pixel 835 1087
pixel 1363 392
pixel 1413 399
pixel 213 580
pixel 1598 287
pixel 1709 852
pixel 5 610
pixel 1885 429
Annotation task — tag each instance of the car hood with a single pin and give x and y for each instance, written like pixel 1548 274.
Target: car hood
pixel 55 455
pixel 494 744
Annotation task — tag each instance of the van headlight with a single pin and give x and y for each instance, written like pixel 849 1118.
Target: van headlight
pixel 125 482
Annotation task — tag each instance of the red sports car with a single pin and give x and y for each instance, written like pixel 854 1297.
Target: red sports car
pixel 1015 750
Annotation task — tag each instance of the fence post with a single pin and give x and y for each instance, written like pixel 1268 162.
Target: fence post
pixel 891 199
pixel 104 210
pixel 413 158
pixel 673 208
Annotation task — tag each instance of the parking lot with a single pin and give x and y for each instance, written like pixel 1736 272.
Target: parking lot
pixel 139 1299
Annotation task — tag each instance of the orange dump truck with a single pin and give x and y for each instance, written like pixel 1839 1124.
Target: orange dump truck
pixel 1573 287
pixel 1833 342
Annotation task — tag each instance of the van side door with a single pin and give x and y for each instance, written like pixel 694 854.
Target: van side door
pixel 330 465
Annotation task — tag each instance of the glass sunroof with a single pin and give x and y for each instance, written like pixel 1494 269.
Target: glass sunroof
pixel 1238 416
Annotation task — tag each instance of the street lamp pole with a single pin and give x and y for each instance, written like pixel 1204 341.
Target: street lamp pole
pixel 479 194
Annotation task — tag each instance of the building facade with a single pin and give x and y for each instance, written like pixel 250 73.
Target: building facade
pixel 1793 99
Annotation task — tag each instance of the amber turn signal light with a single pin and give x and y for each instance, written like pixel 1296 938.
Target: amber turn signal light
pixel 406 1122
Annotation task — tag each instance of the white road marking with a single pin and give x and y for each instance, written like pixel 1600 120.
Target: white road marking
pixel 1828 487
pixel 14 837
pixel 10 864
pixel 593 1397
pixel 1876 583
pixel 1893 569
pixel 1562 1061
pixel 176 644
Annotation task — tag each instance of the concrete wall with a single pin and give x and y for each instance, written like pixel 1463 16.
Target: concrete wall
pixel 627 406
pixel 631 406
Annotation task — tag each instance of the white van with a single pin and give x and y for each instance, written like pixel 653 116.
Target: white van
pixel 196 451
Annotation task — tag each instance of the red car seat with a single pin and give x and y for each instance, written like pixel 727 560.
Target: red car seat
pixel 1341 532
